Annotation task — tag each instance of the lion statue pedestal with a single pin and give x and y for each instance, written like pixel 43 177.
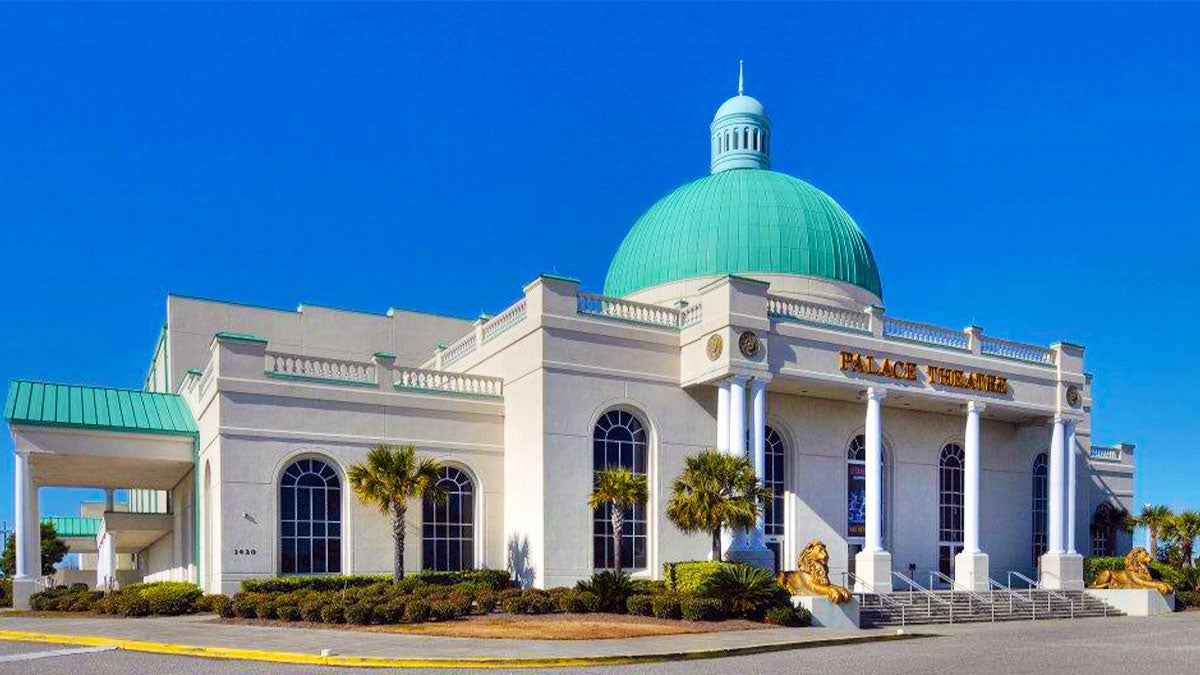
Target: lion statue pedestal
pixel 832 606
pixel 1134 590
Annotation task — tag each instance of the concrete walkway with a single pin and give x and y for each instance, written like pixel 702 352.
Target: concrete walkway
pixel 201 631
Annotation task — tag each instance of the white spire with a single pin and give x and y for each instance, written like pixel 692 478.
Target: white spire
pixel 739 77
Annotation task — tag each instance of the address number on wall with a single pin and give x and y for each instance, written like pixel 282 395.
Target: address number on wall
pixel 245 551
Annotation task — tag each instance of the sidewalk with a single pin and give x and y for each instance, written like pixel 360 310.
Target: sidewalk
pixel 199 635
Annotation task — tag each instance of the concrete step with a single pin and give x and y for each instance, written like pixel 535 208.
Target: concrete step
pixel 955 607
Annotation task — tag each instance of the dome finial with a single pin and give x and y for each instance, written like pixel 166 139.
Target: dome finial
pixel 739 77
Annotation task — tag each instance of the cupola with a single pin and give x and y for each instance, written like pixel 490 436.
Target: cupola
pixel 741 133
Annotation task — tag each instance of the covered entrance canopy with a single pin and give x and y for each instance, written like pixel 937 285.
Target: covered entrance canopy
pixel 80 436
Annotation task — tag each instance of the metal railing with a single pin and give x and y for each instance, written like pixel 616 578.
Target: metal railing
pixel 972 596
pixel 1050 593
pixel 855 582
pixel 930 596
pixel 1013 596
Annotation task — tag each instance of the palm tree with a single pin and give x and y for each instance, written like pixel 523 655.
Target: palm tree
pixel 620 489
pixel 1183 530
pixel 1153 518
pixel 388 479
pixel 716 490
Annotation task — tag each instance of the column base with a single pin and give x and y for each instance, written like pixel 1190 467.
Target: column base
pixel 873 572
pixel 971 572
pixel 1061 571
pixel 21 590
pixel 764 557
pixel 826 614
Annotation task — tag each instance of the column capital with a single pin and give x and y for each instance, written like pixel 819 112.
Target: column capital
pixel 976 406
pixel 874 393
pixel 738 378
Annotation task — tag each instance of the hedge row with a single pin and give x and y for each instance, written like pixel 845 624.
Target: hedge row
pixel 496 580
pixel 691 576
pixel 6 592
pixel 164 598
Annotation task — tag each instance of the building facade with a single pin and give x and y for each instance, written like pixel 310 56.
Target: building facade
pixel 744 312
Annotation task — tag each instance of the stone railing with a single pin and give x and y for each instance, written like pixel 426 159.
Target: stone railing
pixel 925 334
pixel 417 379
pixel 822 315
pixel 504 320
pixel 690 315
pixel 635 312
pixel 1019 351
pixel 1104 454
pixel 319 369
pixel 458 350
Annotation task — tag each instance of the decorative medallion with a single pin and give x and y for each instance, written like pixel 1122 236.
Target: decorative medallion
pixel 714 347
pixel 749 344
pixel 1074 398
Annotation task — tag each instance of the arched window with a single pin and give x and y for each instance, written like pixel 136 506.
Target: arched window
pixel 773 478
pixel 727 141
pixel 950 505
pixel 856 490
pixel 1103 530
pixel 745 138
pixel 736 138
pixel 1040 505
pixel 619 441
pixel 448 529
pixel 310 519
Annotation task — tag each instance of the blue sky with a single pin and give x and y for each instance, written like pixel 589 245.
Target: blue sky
pixel 1030 168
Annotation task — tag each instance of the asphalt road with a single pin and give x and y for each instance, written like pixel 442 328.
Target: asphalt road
pixel 1169 644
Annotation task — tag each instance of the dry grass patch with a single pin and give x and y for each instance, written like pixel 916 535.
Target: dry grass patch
pixel 534 627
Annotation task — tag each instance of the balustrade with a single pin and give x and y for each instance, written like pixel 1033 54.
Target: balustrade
pixel 321 369
pixel 925 334
pixel 1019 351
pixel 811 312
pixel 451 383
pixel 636 312
pixel 504 320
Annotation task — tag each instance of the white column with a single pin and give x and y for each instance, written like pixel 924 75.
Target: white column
pixel 737 416
pixel 108 499
pixel 1057 489
pixel 33 537
pixel 723 416
pixel 874 457
pixel 873 565
pixel 1071 452
pixel 20 513
pixel 971 480
pixel 758 425
pixel 971 564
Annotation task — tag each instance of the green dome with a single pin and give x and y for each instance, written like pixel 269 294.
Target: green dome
pixel 743 221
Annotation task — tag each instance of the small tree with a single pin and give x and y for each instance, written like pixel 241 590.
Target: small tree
pixel 620 489
pixel 53 551
pixel 715 491
pixel 1182 530
pixel 1153 518
pixel 388 479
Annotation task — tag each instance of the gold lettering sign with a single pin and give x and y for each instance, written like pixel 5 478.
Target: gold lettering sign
pixel 867 364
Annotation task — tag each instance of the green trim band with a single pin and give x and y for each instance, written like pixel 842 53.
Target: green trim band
pixel 570 280
pixel 240 337
pixel 98 427
pixel 384 355
pixel 322 380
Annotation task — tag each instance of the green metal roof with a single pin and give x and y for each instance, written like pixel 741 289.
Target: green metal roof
pixel 743 221
pixel 71 405
pixel 73 526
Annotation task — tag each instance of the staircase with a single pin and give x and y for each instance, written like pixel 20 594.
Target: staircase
pixel 935 606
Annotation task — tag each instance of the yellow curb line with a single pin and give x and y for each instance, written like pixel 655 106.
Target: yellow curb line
pixel 376 662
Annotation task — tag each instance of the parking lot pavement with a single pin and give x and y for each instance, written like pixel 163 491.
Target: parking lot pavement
pixel 1164 644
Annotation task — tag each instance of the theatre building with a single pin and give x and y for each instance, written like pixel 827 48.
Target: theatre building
pixel 743 311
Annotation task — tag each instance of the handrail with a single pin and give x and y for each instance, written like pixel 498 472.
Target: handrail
pixel 930 596
pixel 883 597
pixel 971 595
pixel 996 585
pixel 1049 591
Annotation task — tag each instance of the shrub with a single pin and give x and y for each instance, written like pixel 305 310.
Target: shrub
pixel 222 606
pixel 205 602
pixel 1186 599
pixel 136 605
pixel 334 612
pixel 639 605
pixel 493 579
pixel 576 602
pixel 82 603
pixel 1096 564
pixel 170 598
pixel 245 605
pixel 389 612
pixel 789 616
pixel 692 575
pixel 265 607
pixel 744 590
pixel 665 606
pixel 310 610
pixel 612 590
pixel 78 587
pixel 416 611
pixel 1170 574
pixel 288 612
pixel 485 602
pixel 360 613
pixel 443 610
pixel 701 609
pixel 5 592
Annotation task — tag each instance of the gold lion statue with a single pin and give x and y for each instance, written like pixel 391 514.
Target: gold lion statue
pixel 812 577
pixel 1135 575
